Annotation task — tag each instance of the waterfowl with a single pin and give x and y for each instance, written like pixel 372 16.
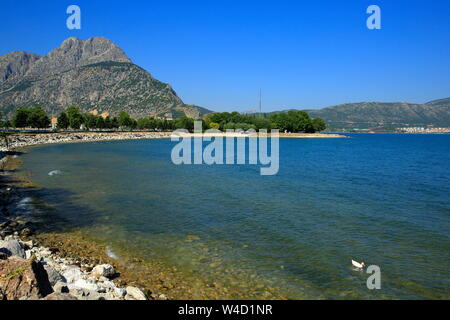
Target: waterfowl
pixel 358 265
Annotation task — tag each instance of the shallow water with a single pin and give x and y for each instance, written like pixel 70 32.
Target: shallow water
pixel 383 199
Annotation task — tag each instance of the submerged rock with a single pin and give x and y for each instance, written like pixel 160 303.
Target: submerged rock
pixel 134 293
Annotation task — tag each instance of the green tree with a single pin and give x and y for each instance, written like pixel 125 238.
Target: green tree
pixel 114 123
pixel 185 123
pixel 293 121
pixel 108 123
pixel 75 117
pixel 142 123
pixel 100 123
pixel 125 120
pixel 37 118
pixel 90 121
pixel 63 121
pixel 20 119
pixel 319 124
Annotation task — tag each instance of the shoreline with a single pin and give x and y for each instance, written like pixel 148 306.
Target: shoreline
pixel 78 251
pixel 31 268
pixel 72 257
pixel 19 140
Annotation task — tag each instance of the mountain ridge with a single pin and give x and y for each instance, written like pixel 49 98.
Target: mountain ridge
pixel 92 74
pixel 384 115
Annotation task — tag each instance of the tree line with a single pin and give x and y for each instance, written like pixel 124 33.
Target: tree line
pixel 291 121
pixel 73 118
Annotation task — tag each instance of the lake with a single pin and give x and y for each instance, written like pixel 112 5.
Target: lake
pixel 379 198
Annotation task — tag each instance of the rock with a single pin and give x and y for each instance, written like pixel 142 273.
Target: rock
pixel 120 292
pixel 85 284
pixel 3 256
pixel 20 277
pixel 60 287
pixel 53 275
pixel 162 297
pixel 26 232
pixel 134 293
pixel 59 296
pixel 28 244
pixel 12 248
pixel 105 270
pixel 71 274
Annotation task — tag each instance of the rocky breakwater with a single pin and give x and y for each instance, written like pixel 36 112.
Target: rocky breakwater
pixel 32 272
pixel 30 139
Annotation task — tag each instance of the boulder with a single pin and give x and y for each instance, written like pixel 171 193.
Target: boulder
pixel 72 274
pixel 84 284
pixel 103 270
pixel 12 248
pixel 134 293
pixel 53 275
pixel 23 278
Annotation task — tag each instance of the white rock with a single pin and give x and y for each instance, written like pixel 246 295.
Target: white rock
pixel 28 254
pixel 72 274
pixel 105 270
pixel 134 293
pixel 84 284
pixel 28 244
pixel 120 292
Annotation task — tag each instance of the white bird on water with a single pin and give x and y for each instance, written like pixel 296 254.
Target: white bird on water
pixel 358 265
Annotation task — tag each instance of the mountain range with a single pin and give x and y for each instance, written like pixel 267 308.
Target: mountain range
pixel 385 116
pixel 91 74
pixel 97 74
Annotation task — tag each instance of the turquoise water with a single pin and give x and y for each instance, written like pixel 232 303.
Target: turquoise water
pixel 383 199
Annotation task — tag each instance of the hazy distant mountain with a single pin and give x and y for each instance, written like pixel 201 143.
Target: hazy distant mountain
pixel 92 74
pixel 385 115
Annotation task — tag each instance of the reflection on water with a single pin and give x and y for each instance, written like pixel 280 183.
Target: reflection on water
pixel 378 198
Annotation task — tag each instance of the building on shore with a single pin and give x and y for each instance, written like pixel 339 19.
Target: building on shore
pixel 54 122
pixel 105 115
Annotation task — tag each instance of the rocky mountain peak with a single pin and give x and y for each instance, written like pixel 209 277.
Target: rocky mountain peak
pixel 92 74
pixel 74 52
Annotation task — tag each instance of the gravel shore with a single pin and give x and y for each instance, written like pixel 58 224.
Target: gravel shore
pixel 19 140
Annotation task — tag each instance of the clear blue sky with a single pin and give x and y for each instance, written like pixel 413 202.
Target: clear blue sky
pixel 217 54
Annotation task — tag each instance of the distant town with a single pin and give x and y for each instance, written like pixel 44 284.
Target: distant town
pixel 423 130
